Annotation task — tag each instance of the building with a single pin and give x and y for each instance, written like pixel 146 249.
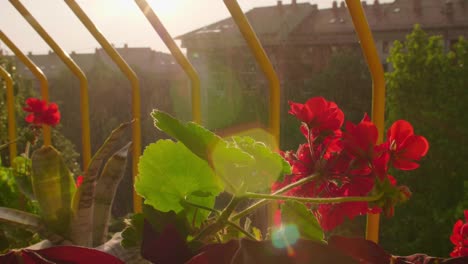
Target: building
pixel 140 59
pixel 317 32
pixel 300 38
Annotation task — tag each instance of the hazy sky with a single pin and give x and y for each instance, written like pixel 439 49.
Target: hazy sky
pixel 120 21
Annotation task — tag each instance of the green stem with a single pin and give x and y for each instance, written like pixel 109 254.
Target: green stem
pixel 280 191
pixel 315 200
pixel 242 230
pixel 8 143
pixel 220 222
pixel 201 207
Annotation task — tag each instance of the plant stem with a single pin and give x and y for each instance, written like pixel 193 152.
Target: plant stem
pixel 220 222
pixel 315 200
pixel 242 230
pixel 201 207
pixel 9 143
pixel 280 191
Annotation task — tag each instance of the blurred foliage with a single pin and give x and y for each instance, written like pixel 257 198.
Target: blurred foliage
pixel 427 87
pixel 10 195
pixel 12 237
pixel 109 105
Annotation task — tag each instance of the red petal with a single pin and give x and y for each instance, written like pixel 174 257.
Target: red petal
pixel 405 164
pixel 29 118
pixel 399 131
pixel 414 148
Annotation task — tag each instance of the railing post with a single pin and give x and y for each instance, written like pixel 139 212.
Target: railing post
pixel 265 65
pixel 178 55
pixel 43 83
pixel 268 70
pixel 378 89
pixel 10 100
pixel 135 84
pixel 84 99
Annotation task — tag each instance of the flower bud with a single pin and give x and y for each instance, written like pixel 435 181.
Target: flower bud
pixel 404 193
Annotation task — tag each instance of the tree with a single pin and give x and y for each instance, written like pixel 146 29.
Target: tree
pixel 428 88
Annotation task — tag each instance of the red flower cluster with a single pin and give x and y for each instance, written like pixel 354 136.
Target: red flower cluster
pixel 459 238
pixel 41 113
pixel 349 162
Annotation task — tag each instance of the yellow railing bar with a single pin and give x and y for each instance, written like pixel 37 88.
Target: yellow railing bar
pixel 378 89
pixel 44 84
pixel 10 100
pixel 135 84
pixel 84 100
pixel 178 55
pixel 264 63
pixel 268 70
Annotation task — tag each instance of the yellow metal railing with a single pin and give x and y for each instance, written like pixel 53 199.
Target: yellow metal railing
pixel 378 89
pixel 43 83
pixel 360 23
pixel 135 84
pixel 265 65
pixel 178 55
pixel 10 99
pixel 84 104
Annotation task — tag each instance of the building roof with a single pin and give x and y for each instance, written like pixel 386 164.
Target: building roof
pixel 275 23
pixel 272 22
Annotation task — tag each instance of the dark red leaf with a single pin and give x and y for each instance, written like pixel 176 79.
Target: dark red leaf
pixel 362 250
pixel 167 247
pixel 252 252
pixel 59 255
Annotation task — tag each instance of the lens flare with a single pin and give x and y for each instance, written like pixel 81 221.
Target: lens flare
pixel 285 237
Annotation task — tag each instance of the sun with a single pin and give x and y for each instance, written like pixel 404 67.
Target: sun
pixel 123 8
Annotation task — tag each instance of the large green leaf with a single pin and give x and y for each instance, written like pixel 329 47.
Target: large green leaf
pixel 106 188
pixel 297 214
pixel 198 139
pixel 261 174
pixel 53 187
pixel 208 146
pixel 169 173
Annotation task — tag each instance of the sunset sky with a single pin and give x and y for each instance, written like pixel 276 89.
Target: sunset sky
pixel 120 21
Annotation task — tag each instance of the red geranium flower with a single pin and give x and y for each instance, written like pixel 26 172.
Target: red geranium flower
pixel 405 147
pixel 332 215
pixel 459 238
pixel 319 114
pixel 41 113
pixel 79 181
pixel 359 141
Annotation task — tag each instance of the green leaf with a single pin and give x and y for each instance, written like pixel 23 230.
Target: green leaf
pixel 132 234
pixel 21 168
pixel 106 188
pixel 81 233
pixel 205 144
pixel 53 187
pixel 21 219
pixel 261 174
pixel 169 173
pixel 297 214
pixel 198 139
